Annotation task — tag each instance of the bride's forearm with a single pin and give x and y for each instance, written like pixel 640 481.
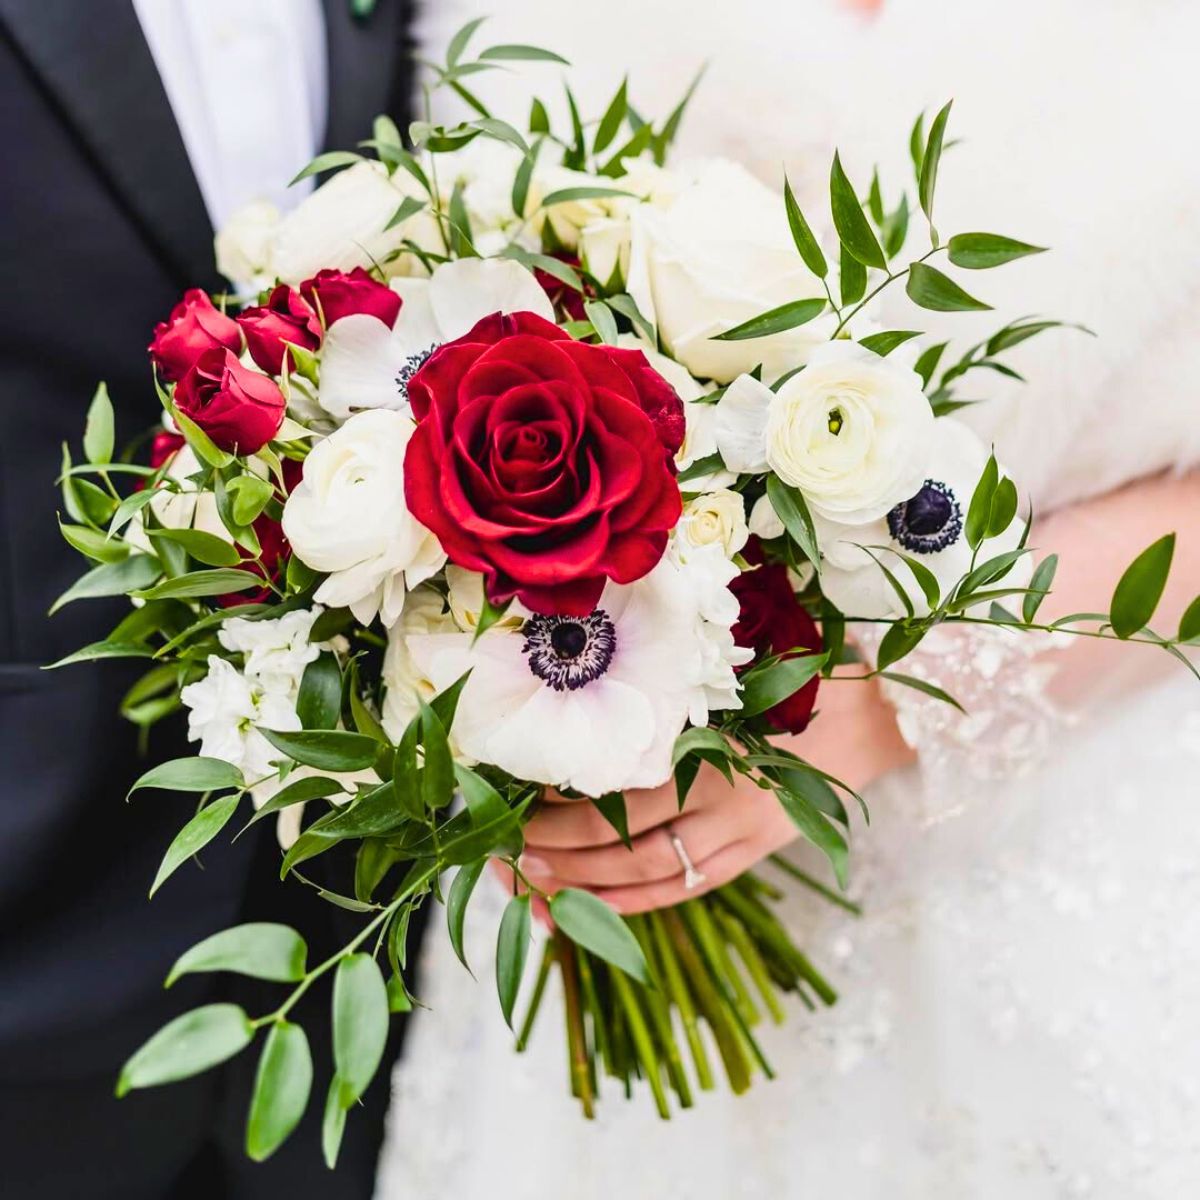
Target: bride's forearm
pixel 1095 541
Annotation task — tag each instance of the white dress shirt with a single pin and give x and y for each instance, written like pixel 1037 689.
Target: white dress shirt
pixel 247 82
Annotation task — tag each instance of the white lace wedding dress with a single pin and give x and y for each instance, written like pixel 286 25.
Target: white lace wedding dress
pixel 1021 1000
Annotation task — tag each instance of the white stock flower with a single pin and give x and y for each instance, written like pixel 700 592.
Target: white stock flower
pixel 245 246
pixel 347 518
pixel 594 703
pixel 720 254
pixel 342 225
pixel 927 526
pixel 275 651
pixel 851 431
pixel 717 517
pixel 366 365
pixel 227 706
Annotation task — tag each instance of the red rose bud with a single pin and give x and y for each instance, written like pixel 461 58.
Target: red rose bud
pixel 544 463
pixel 164 445
pixel 239 409
pixel 565 298
pixel 772 621
pixel 276 550
pixel 286 319
pixel 337 294
pixel 193 327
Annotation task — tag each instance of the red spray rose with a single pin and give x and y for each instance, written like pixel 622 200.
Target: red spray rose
pixel 337 294
pixel 772 621
pixel 545 463
pixel 286 318
pixel 239 409
pixel 564 297
pixel 193 327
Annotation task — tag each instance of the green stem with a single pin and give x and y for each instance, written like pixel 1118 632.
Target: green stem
pixel 891 278
pixel 755 966
pixel 682 998
pixel 660 1014
pixel 714 946
pixel 581 1081
pixel 535 1001
pixel 642 1042
pixel 816 885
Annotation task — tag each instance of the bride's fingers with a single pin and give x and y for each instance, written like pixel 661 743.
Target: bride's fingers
pixel 728 863
pixel 652 858
pixel 565 824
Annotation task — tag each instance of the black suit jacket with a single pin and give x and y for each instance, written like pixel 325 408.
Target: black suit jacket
pixel 102 226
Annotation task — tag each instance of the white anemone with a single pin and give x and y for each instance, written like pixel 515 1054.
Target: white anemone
pixel 366 365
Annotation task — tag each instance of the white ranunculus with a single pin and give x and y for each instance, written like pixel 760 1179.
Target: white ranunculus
pixel 245 246
pixel 225 709
pixel 342 225
pixel 720 254
pixel 366 365
pixel 927 526
pixel 713 518
pixel 592 703
pixel 347 518
pixel 851 431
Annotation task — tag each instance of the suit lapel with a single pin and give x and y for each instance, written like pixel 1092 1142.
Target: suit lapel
pixel 96 66
pixel 369 70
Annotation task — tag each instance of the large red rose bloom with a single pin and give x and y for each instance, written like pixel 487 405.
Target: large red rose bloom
pixel 544 463
pixel 772 621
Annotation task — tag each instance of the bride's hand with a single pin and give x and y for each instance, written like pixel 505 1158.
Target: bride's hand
pixel 725 830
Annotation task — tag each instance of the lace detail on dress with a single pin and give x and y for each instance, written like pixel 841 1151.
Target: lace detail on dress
pixel 1009 724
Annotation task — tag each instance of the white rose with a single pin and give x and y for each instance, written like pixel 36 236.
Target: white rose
pixel 851 432
pixel 465 597
pixel 604 249
pixel 485 169
pixel 245 246
pixel 927 527
pixel 405 684
pixel 764 521
pixel 347 518
pixel 569 217
pixel 714 518
pixel 341 225
pixel 719 255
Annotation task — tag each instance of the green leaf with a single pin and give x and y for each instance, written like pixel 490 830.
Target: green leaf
pixel 987 572
pixel 1003 508
pixel 456 904
pixel 539 118
pixel 601 317
pixel 483 802
pixel 815 828
pixel 806 243
pixel 584 192
pixel 191 774
pixel 512 949
pixel 437 774
pixel 98 432
pixel 206 449
pixel 1021 331
pixel 595 926
pixel 979 511
pixel 1039 586
pixel 326 749
pixel 520 188
pixel 613 117
pixel 406 776
pixel 186 1046
pixel 775 320
pixel 611 806
pixel 852 278
pixel 790 507
pixel 853 228
pixel 627 307
pixel 670 129
pixel 929 288
pixel 333 1123
pixel 923 685
pixel 884 343
pixel 1141 587
pixel 360 1024
pixel 195 835
pixel 99 650
pixel 93 543
pixel 978 251
pixel 319 702
pixel 217 582
pixel 916 145
pixel 250 496
pixel 895 228
pixel 765 687
pixel 927 581
pixel 203 547
pixel 518 53
pixel 1189 623
pixel 458 43
pixel 928 362
pixel 259 949
pixel 699 739
pixel 901 639
pixel 327 162
pixel 111 579
pixel 465 841
pixel 281 1090
pixel 930 160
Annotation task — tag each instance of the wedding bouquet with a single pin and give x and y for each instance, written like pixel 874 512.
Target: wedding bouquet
pixel 523 460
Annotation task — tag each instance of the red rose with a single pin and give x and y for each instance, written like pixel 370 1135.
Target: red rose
pixel 165 444
pixel 545 463
pixel 286 318
pixel 772 621
pixel 193 327
pixel 336 294
pixel 239 409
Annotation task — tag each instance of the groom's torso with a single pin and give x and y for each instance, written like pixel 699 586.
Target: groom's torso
pixel 102 225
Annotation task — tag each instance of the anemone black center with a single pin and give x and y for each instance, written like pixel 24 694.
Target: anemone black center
pixel 411 365
pixel 570 652
pixel 928 522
